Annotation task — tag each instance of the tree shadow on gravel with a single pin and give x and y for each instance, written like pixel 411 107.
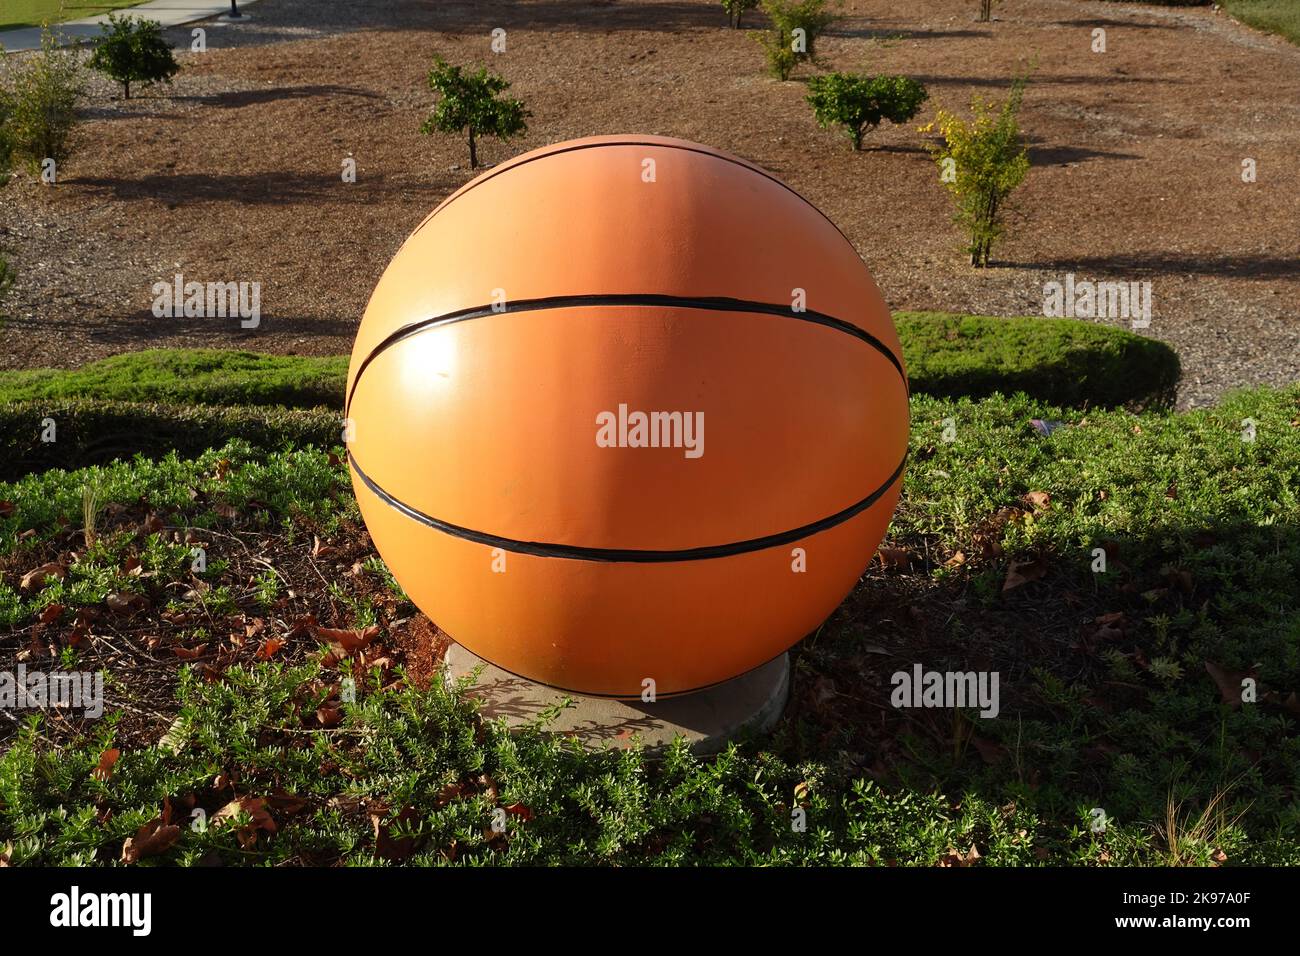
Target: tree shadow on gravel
pixel 237 98
pixel 1178 263
pixel 142 329
pixel 254 189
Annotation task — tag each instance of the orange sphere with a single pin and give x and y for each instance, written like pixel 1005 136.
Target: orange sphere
pixel 627 408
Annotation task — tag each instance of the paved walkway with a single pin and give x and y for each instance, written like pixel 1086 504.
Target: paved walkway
pixel 169 13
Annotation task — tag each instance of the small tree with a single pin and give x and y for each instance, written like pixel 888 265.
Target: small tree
pixel 131 49
pixel 860 103
pixel 41 103
pixel 796 25
pixel 986 10
pixel 980 163
pixel 736 9
pixel 470 106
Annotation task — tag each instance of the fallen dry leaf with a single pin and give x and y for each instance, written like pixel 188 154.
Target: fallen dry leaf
pixel 51 613
pixel 106 761
pixel 1022 572
pixel 1039 500
pixel 954 858
pixel 1229 682
pixel 123 602
pixel 269 647
pixel 153 838
pixel 343 643
pixel 260 818
pixel 899 559
pixel 41 575
pixel 386 845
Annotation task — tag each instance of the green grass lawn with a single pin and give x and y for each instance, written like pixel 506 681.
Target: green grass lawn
pixel 32 13
pixel 1120 690
pixel 1276 16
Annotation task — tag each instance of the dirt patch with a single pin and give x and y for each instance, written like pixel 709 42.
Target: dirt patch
pixel 235 172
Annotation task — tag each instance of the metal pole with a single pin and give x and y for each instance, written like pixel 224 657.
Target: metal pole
pixel 234 10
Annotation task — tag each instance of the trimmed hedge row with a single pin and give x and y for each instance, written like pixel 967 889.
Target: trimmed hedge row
pixel 87 432
pixel 189 377
pixel 1061 361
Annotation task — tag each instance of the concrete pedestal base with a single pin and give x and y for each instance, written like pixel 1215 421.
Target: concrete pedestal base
pixel 708 719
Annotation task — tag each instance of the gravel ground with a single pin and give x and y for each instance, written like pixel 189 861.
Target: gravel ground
pixel 233 172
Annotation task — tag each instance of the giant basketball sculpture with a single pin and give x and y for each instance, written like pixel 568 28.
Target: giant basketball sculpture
pixel 624 408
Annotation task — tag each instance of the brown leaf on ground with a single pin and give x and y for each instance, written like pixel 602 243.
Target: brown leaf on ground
pixel 106 761
pixel 1229 682
pixel 124 602
pixel 39 576
pixel 956 561
pixel 51 613
pixel 1038 500
pixel 1022 572
pixel 897 559
pixel 489 787
pixel 151 525
pixel 255 807
pixel 190 653
pixel 285 802
pixel 329 716
pixel 319 550
pixel 153 838
pixel 6 509
pixel 343 643
pixel 388 846
pixel 519 810
pixel 6 854
pixel 955 859
pixel 269 647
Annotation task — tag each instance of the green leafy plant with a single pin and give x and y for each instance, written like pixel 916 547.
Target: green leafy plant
pixel 860 103
pixel 132 49
pixel 981 161
pixel 470 104
pixel 792 37
pixel 736 9
pixel 40 105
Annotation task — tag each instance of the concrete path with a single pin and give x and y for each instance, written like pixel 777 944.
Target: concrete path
pixel 169 13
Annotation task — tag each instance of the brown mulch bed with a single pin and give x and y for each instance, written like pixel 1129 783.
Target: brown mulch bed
pixel 233 173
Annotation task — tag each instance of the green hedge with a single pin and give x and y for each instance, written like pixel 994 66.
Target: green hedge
pixel 1061 361
pixel 88 432
pixel 189 377
pixel 1055 360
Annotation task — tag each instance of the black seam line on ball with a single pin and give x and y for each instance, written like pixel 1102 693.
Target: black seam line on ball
pixel 629 556
pixel 707 303
pixel 743 164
